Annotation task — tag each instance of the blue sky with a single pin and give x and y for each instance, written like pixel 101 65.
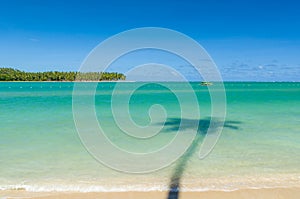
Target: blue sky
pixel 248 40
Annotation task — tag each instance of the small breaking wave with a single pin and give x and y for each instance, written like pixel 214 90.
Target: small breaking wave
pixel 127 188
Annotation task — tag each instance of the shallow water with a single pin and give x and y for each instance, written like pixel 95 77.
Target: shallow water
pixel 40 149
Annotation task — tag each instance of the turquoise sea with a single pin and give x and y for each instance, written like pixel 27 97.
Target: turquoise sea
pixel 40 149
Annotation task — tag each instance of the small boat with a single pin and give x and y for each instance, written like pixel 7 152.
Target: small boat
pixel 206 83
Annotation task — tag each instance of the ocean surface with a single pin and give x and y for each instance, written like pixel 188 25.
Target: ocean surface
pixel 40 149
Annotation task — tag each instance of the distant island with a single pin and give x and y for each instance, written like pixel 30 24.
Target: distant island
pixel 11 74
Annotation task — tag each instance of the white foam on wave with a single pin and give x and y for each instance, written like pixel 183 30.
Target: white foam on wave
pixel 96 188
pixel 192 185
pixel 80 188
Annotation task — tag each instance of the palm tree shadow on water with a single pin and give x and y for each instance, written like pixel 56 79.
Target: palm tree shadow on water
pixel 172 124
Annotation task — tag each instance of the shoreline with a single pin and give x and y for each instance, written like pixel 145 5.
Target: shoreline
pixel 63 81
pixel 278 193
pixel 158 81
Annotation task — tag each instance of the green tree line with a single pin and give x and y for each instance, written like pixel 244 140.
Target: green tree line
pixel 10 74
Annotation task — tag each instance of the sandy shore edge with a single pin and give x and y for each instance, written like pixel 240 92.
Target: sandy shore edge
pixel 278 193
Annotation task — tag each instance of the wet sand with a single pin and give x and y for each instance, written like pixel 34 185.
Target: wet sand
pixel 276 193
